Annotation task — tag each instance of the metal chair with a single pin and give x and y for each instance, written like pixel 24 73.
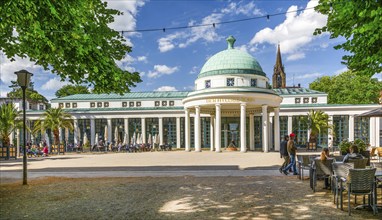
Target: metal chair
pixel 362 182
pixel 304 163
pixel 379 153
pixel 340 172
pixel 321 169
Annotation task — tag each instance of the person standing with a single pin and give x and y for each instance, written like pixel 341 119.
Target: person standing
pixel 292 154
pixel 284 153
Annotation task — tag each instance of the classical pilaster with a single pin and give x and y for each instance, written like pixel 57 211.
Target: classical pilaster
pixel 218 128
pixel 126 130
pixel 143 134
pixel 277 129
pixel 265 127
pixel 92 132
pixel 372 131
pixel 76 131
pixel 251 132
pixel 212 131
pixel 177 132
pixel 187 129
pixel 351 127
pixel 243 136
pixel 197 130
pixel 160 130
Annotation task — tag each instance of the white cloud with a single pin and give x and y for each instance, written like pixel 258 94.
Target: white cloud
pixel 166 89
pixel 241 8
pixel 195 70
pixel 309 76
pixel 338 72
pixel 54 84
pixel 296 56
pixel 167 43
pixel 3 93
pixel 324 45
pixel 295 32
pixel 160 70
pixel 142 59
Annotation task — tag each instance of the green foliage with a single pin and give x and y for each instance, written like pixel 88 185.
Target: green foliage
pixel 70 38
pixel 318 123
pixel 71 90
pixel 53 119
pixel 347 88
pixel 8 122
pixel 344 145
pixel 30 94
pixel 359 22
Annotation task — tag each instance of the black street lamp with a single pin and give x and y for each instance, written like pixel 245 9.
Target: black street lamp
pixel 23 79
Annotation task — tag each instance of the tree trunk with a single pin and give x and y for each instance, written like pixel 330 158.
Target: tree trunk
pixel 56 135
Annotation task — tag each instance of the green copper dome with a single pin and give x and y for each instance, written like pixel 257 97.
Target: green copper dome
pixel 231 61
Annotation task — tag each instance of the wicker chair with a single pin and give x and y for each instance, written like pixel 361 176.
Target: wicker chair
pixel 379 153
pixel 340 171
pixel 321 169
pixel 359 163
pixel 362 182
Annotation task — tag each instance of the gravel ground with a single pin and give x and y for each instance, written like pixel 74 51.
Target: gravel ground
pixel 188 197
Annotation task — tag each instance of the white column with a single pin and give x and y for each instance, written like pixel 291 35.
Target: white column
pixel 243 130
pixel 372 131
pixel 251 132
pixel 177 132
pixel 330 132
pixel 290 123
pixel 212 130
pixel 187 129
pixel 377 131
pixel 60 135
pixel 270 131
pixel 218 127
pixel 75 131
pixel 265 127
pixel 160 130
pixel 351 127
pixel 126 129
pixel 109 130
pixel 276 132
pixel 197 129
pixel 143 132
pixel 92 132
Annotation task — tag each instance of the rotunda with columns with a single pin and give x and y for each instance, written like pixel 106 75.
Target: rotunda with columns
pixel 232 90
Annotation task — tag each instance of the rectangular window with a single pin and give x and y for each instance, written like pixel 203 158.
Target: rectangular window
pixel 171 103
pixel 306 100
pixel 253 82
pixel 157 103
pixel 314 100
pixel 92 104
pixel 297 100
pixel 124 104
pixel 60 105
pixel 208 83
pixel 41 107
pixel 230 82
pixel 164 103
pixel 106 104
pixel 131 104
pixel 67 105
pixel 139 104
pixel 99 104
pixel 74 105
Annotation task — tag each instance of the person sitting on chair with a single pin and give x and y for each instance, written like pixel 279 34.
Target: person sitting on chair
pixel 353 154
pixel 323 157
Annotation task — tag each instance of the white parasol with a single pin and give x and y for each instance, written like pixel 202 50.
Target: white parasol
pixel 105 135
pixel 138 139
pixel 85 139
pixel 149 141
pixel 96 139
pixel 116 135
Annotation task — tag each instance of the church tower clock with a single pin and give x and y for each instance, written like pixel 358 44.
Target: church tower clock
pixel 278 79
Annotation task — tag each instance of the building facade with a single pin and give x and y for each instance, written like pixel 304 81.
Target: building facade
pixel 232 102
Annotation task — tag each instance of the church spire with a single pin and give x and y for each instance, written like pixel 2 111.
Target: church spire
pixel 279 77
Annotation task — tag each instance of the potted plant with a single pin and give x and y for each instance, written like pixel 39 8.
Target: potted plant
pixel 344 147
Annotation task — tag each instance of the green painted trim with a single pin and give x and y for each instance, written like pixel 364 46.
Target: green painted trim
pixel 122 109
pixel 233 91
pixel 231 71
pixel 325 105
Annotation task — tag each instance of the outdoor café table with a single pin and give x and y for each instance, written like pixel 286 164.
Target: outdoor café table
pixel 378 179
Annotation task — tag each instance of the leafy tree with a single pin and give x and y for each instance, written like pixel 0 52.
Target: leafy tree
pixel 8 122
pixel 71 90
pixel 54 119
pixel 349 88
pixel 359 22
pixel 30 94
pixel 72 39
pixel 318 123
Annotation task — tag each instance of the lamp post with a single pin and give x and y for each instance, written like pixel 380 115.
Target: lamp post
pixel 23 79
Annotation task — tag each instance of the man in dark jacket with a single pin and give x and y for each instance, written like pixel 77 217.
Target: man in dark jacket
pixel 284 153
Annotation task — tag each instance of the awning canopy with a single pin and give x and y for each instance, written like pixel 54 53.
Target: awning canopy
pixel 373 113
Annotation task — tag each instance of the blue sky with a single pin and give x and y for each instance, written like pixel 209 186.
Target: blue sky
pixel 171 60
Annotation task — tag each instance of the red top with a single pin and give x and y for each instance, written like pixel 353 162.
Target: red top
pixel 45 150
